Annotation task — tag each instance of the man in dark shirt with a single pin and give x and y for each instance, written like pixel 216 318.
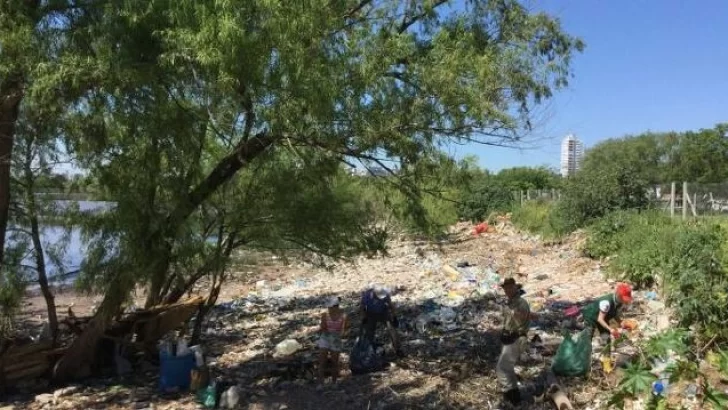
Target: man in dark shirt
pixel 377 307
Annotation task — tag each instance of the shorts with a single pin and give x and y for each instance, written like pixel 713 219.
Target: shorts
pixel 330 341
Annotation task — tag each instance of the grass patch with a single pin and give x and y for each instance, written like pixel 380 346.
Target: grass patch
pixel 540 218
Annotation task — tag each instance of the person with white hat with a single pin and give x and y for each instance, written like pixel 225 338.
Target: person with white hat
pixel 516 320
pixel 377 307
pixel 334 326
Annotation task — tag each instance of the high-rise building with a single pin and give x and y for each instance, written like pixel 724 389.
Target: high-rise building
pixel 572 152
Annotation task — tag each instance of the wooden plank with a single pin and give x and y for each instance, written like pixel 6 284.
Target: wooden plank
pixel 27 349
pixel 29 373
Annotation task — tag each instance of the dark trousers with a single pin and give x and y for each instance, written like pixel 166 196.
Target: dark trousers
pixel 371 320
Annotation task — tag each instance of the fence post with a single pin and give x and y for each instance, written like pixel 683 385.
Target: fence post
pixel 528 194
pixel 685 200
pixel 672 200
pixel 694 205
pixel 521 197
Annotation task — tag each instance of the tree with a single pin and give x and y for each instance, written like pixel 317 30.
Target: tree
pixel 172 116
pixel 36 60
pixel 616 174
pixel 698 156
pixel 524 178
pixel 36 155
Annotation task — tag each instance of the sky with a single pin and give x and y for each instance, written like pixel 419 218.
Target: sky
pixel 648 65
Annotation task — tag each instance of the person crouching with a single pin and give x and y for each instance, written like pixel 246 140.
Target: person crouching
pixel 601 311
pixel 377 307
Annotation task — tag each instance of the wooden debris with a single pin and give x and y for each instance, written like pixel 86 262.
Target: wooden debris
pixel 34 360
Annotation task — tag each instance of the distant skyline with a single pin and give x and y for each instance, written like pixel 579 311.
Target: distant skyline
pixel 648 66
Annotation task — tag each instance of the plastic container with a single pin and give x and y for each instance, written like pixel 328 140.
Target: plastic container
pixel 659 387
pixel 175 371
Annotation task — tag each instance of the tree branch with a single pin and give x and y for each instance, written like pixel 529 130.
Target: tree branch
pixel 407 22
pixel 242 155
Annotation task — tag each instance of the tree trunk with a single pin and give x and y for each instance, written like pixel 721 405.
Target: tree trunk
pixel 207 306
pixel 41 268
pixel 35 237
pixel 159 269
pixel 11 93
pixel 79 357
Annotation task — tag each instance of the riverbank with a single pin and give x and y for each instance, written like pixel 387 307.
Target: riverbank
pixel 449 332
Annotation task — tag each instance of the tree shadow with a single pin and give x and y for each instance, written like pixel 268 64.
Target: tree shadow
pixel 444 367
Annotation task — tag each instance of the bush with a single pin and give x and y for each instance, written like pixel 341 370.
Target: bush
pixel 688 258
pixel 597 191
pixel 696 280
pixel 539 218
pixel 487 198
pixel 637 241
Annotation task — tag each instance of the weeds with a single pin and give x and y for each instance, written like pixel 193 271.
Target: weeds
pixel 539 217
pixel 638 377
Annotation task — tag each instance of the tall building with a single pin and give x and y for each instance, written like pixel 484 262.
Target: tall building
pixel 572 152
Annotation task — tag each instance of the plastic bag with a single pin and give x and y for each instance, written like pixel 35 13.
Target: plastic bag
pixel 573 358
pixel 364 357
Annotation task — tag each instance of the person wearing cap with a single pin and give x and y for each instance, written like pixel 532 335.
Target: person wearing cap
pixel 516 321
pixel 333 328
pixel 601 311
pixel 377 307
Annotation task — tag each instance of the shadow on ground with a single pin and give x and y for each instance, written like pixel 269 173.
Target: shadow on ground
pixel 442 370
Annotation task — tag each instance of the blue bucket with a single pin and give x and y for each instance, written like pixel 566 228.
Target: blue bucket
pixel 174 371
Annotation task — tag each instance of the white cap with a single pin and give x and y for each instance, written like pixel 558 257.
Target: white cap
pixel 380 291
pixel 332 301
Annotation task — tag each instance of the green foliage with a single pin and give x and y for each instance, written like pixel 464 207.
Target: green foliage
pixel 687 258
pixel 524 178
pixel 698 156
pixel 539 217
pixel 694 268
pixel 637 377
pixel 488 196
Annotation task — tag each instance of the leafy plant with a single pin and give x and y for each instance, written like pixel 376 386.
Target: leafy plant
pixel 538 217
pixel 637 377
pixel 485 198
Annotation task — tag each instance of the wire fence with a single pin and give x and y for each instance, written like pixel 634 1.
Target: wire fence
pixel 693 199
pixel 681 199
pixel 536 195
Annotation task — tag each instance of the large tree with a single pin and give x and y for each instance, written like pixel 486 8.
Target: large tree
pixel 177 97
pixel 698 156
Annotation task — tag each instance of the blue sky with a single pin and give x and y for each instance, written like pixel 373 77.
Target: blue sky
pixel 654 65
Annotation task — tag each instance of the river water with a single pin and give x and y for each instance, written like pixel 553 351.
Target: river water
pixel 75 249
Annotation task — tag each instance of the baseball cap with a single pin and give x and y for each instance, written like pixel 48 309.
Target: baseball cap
pixel 624 291
pixel 332 301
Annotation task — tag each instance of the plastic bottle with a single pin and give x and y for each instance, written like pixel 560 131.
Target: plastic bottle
pixel 199 358
pixel 182 349
pixel 659 387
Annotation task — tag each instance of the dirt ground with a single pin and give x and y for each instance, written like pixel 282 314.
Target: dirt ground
pixel 447 365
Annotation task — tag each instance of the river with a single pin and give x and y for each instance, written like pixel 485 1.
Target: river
pixel 75 250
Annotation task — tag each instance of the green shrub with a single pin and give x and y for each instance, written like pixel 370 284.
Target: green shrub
pixel 538 217
pixel 696 280
pixel 487 198
pixel 638 243
pixel 688 257
pixel 597 191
